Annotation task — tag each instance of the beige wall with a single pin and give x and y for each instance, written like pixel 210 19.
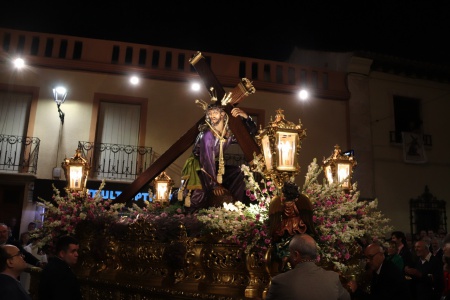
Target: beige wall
pixel 171 112
pixel 396 182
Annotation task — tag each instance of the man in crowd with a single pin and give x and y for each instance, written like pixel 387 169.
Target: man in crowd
pixel 29 258
pixel 387 280
pixel 12 264
pixel 427 274
pixel 58 281
pixel 306 280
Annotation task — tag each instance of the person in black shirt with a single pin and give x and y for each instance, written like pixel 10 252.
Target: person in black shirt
pixel 58 281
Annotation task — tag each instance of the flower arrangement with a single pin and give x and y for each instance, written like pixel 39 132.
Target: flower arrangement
pixel 340 218
pixel 63 214
pixel 342 221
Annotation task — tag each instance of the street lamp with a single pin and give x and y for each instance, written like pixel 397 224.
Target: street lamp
pixel 59 95
pixel 280 144
pixel 338 168
pixel 76 170
pixel 163 186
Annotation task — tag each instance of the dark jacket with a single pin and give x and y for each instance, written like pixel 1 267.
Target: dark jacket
pixel 57 281
pixel 431 284
pixel 389 284
pixel 11 289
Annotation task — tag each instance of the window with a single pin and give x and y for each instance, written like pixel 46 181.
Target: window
pixel 266 72
pixel 77 50
pixel 242 69
pixel 155 59
pixel 49 48
pixel 117 127
pixel 14 114
pixel 14 111
pixel 279 73
pixel 407 116
pixel 129 55
pixel 181 59
pixel 254 71
pixel 115 55
pixel 168 61
pixel 62 49
pixel 118 137
pixel 142 57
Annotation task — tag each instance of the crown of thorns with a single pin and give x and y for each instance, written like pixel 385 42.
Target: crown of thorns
pixel 214 103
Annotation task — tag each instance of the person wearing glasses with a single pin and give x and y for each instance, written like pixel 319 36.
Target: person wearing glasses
pixel 29 258
pixel 12 264
pixel 387 280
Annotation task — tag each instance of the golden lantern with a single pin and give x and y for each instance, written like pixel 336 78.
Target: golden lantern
pixel 76 170
pixel 280 144
pixel 338 168
pixel 163 186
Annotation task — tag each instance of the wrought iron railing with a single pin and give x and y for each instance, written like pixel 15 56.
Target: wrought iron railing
pixel 19 154
pixel 115 161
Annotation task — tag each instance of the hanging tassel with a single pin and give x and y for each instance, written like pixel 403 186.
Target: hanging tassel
pixel 187 201
pixel 180 194
pixel 221 170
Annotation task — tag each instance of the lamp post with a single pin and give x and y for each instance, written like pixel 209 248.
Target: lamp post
pixel 59 95
pixel 76 170
pixel 280 144
pixel 163 186
pixel 338 168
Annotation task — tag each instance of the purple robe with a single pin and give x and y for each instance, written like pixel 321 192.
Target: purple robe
pixel 206 150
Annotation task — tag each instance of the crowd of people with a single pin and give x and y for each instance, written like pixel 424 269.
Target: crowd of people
pixel 397 268
pixel 56 280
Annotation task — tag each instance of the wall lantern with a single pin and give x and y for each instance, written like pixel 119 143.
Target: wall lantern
pixel 163 186
pixel 280 143
pixel 338 168
pixel 59 95
pixel 76 170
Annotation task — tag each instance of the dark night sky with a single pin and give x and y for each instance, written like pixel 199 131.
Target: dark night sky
pixel 418 30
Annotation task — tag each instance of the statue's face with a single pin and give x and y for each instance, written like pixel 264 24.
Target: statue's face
pixel 215 115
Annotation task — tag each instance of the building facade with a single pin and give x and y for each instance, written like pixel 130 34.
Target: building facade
pixel 359 101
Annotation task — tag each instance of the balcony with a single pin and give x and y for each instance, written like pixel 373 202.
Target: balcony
pixel 114 161
pixel 19 154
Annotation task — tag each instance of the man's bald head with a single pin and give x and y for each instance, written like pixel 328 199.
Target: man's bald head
pixel 302 247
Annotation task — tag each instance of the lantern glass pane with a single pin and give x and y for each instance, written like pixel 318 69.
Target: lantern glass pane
pixel 329 174
pixel 161 190
pixel 343 173
pixel 287 142
pixel 265 142
pixel 76 173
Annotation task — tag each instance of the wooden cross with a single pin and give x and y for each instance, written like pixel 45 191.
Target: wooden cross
pixel 243 137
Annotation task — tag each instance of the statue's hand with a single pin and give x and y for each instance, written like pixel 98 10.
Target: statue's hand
pixel 219 191
pixel 239 112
